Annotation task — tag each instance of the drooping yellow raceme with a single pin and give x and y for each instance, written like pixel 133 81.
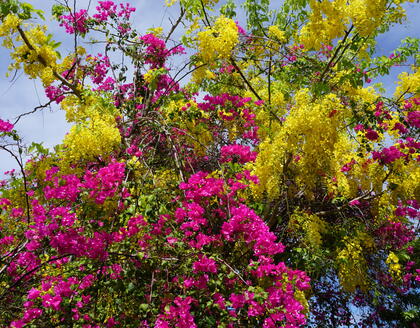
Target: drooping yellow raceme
pixel 95 138
pixel 31 50
pixel 9 25
pixel 40 61
pixel 218 41
pixel 275 32
pixel 311 225
pixel 366 15
pixel 304 147
pixel 330 19
pixel 408 83
pixel 405 179
pixel 327 21
pixel 394 266
pixel 214 43
pixel 95 133
pixel 351 263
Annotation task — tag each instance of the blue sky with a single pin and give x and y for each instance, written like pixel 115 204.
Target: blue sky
pixel 49 125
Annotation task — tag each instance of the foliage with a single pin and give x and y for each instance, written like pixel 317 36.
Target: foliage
pixel 274 188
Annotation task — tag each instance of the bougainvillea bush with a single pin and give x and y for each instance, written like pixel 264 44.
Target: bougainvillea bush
pixel 249 174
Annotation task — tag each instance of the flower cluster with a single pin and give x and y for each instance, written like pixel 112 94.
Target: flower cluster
pixel 219 41
pixel 174 204
pixel 106 9
pixel 75 23
pixel 5 126
pixel 242 154
pixel 156 52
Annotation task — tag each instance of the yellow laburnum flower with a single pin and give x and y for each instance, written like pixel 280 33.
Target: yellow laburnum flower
pixel 274 31
pixel 366 15
pixel 158 31
pixel 352 265
pixel 149 76
pixel 92 139
pixel 218 41
pixel 329 20
pixel 394 266
pixel 303 146
pixel 170 3
pixel 408 83
pixel 47 76
pixel 311 225
pixel 9 25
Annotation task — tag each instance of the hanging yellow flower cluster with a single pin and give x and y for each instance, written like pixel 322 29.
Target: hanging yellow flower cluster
pixel 32 50
pixel 95 133
pixel 330 19
pixel 351 262
pixel 394 266
pixel 311 226
pixel 305 146
pixel 218 42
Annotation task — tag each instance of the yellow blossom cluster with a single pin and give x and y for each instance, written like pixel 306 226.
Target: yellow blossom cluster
pixel 79 111
pixel 9 25
pixel 408 83
pixel 95 133
pixel 405 179
pixel 218 41
pixel 394 265
pixel 35 55
pixel 274 31
pixel 330 19
pixel 301 297
pixel 96 137
pixel 31 49
pixel 351 262
pixel 311 225
pixel 170 3
pixel 366 15
pixel 326 22
pixel 305 146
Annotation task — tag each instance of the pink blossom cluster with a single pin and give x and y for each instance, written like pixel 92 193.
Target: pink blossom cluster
pixel 101 185
pixel 75 22
pixel 178 314
pixel 226 100
pixel 371 134
pixel 107 9
pixel 237 223
pixel 5 126
pixel 106 182
pixel 65 187
pixel 54 93
pixel 348 166
pixel 156 52
pixel 413 119
pixel 199 186
pixel 165 86
pixel 100 68
pixel 230 107
pixel 411 210
pixel 253 230
pixel 204 264
pixel 395 234
pixel 388 155
pixel 53 295
pixel 400 128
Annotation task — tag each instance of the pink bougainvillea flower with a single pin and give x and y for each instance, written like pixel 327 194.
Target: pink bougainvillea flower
pixel 5 126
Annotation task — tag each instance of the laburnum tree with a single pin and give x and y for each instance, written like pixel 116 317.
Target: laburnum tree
pixel 246 175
